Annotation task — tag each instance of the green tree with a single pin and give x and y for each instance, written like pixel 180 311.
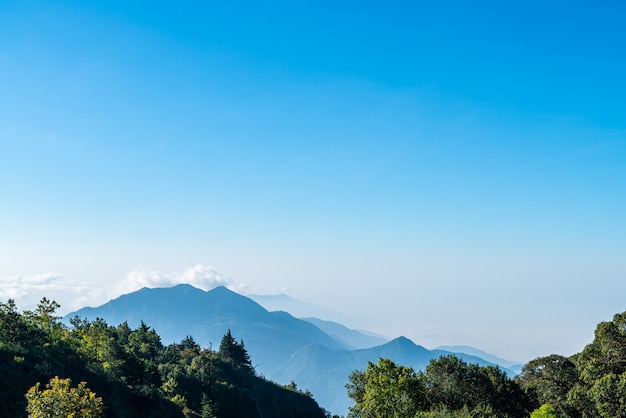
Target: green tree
pixel 445 413
pixel 550 379
pixel 545 411
pixel 95 339
pixel 45 313
pixel 453 384
pixel 609 395
pixel 447 380
pixel 601 391
pixel 235 352
pixel 607 352
pixel 144 342
pixel 207 407
pixel 61 400
pixel 136 375
pixel 385 390
pixel 14 331
pixel 140 349
pixel 43 320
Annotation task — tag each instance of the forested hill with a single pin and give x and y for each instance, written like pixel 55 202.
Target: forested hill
pixel 318 355
pixel 590 384
pixel 132 372
pixel 184 310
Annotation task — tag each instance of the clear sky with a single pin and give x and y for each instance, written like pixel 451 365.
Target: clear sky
pixel 450 171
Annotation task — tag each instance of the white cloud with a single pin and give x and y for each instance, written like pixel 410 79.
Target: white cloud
pixel 14 287
pixel 27 291
pixel 244 289
pixel 199 275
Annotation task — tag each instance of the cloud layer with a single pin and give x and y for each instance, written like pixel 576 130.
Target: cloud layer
pixel 27 291
pixel 14 287
pixel 199 275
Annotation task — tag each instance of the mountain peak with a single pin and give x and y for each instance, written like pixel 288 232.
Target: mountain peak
pixel 223 290
pixel 404 342
pixel 182 310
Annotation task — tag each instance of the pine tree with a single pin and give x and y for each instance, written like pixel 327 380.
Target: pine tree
pixel 235 352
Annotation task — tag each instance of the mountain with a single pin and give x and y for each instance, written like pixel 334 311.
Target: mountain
pixel 318 355
pixel 325 372
pixel 513 366
pixel 182 310
pixel 350 338
pixel 298 308
pixel 132 374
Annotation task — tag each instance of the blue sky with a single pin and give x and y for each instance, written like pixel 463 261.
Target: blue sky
pixel 451 172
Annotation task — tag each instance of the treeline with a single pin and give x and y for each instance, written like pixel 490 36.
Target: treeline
pixel 590 384
pixel 131 371
pixel 448 387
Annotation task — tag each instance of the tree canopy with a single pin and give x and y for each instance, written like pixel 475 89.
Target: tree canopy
pixel 127 372
pixel 61 400
pixel 590 384
pixel 235 352
pixel 385 390
pixel 447 386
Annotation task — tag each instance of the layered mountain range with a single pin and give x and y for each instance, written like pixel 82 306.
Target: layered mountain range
pixel 315 354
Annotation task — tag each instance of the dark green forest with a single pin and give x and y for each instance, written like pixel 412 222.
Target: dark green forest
pixel 590 384
pixel 130 373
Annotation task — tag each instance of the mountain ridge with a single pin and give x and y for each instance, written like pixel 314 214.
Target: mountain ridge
pixel 184 310
pixel 351 338
pixel 282 348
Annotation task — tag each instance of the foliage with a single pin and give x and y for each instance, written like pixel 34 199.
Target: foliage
pixel 136 376
pixel 589 384
pixel 13 329
pixel 545 411
pixel 550 379
pixel 131 370
pixel 235 352
pixel 449 387
pixel 445 413
pixel 485 391
pixel 385 390
pixel 61 400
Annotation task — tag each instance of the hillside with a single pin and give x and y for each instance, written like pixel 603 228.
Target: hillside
pixel 134 373
pixel 185 310
pixel 352 339
pixel 325 372
pixel 317 355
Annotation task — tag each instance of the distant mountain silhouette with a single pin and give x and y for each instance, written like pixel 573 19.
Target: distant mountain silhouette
pixel 513 366
pixel 269 337
pixel 349 338
pixel 298 308
pixel 325 372
pixel 352 339
pixel 315 354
